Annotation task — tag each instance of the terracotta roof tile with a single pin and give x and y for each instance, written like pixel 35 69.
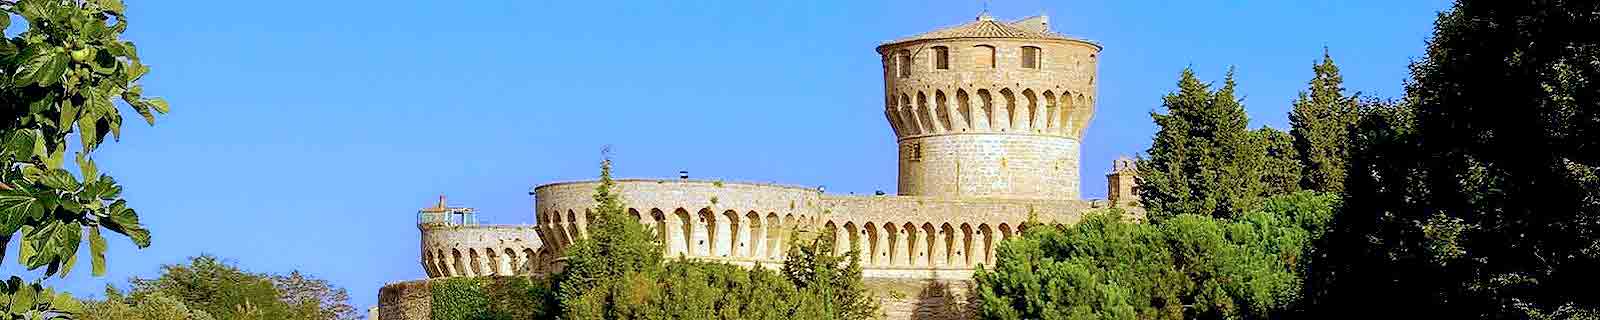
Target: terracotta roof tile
pixel 984 27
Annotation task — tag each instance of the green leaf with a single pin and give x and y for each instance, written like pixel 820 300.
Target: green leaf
pixel 125 221
pixel 87 167
pixel 60 180
pixel 64 242
pixel 65 303
pixel 97 252
pixel 43 69
pixel 88 134
pixel 24 299
pixel 35 10
pixel 111 6
pixel 25 144
pixel 69 114
pixel 160 105
pixel 16 207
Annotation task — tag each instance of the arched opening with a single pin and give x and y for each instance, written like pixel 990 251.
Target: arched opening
pixel 930 244
pixel 988 121
pixel 1033 118
pixel 908 115
pixel 1052 112
pixel 892 234
pixel 964 107
pixel 428 265
pixel 872 244
pixel 1005 232
pixel 638 218
pixel 1010 118
pixel 661 229
pixel 984 56
pixel 757 238
pixel 904 63
pixel 1030 57
pixel 456 261
pixel 966 244
pixel 476 263
pixel 706 233
pixel 942 107
pixel 732 239
pixel 913 249
pixel 685 233
pixel 573 226
pixel 493 258
pixel 513 262
pixel 854 241
pixel 941 58
pixel 774 235
pixel 529 260
pixel 929 125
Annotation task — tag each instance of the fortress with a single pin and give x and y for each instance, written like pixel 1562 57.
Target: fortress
pixel 989 117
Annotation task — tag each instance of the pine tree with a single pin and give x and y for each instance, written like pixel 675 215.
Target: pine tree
pixel 1281 170
pixel 1482 198
pixel 1203 160
pixel 617 248
pixel 1321 121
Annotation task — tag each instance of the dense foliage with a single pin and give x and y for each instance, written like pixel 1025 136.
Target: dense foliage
pixel 215 289
pixel 1479 195
pixel 1186 267
pixel 1320 123
pixel 1204 159
pixel 61 75
pixel 618 273
pixel 491 298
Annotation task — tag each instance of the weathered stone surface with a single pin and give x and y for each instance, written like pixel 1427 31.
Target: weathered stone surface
pixel 989 117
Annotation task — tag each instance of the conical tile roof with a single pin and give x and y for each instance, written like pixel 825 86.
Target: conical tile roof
pixel 984 27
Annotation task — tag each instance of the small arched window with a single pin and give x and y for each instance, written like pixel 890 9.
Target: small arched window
pixel 941 58
pixel 1030 57
pixel 903 63
pixel 985 56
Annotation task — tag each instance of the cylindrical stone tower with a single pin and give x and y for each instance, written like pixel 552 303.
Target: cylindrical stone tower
pixel 990 109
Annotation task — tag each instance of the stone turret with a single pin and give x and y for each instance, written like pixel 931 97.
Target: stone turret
pixel 990 109
pixel 1120 183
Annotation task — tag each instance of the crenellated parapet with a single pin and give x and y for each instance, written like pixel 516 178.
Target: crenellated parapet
pixel 744 223
pixel 749 224
pixel 455 245
pixel 990 109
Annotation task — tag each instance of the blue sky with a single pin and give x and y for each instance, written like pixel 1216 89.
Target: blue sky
pixel 306 134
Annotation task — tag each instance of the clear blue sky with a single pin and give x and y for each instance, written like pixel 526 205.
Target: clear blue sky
pixel 306 134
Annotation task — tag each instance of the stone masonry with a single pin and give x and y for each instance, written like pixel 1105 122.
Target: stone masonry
pixel 989 117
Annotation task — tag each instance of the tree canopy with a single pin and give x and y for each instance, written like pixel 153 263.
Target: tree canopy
pixel 207 287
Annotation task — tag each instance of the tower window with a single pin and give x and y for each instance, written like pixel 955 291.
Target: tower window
pixel 985 56
pixel 904 63
pixel 941 58
pixel 1030 57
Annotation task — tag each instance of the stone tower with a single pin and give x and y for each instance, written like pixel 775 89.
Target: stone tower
pixel 1121 183
pixel 990 109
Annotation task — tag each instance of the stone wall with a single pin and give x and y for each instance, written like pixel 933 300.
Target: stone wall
pixel 480 250
pixel 409 300
pixel 946 120
pixel 748 224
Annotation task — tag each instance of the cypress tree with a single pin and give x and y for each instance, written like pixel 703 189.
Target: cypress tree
pixel 1321 121
pixel 1203 160
pixel 1281 170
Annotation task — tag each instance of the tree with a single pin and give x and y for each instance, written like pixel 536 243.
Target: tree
pixel 1281 169
pixel 1321 119
pixel 1183 267
pixel 1203 160
pixel 616 248
pixel 1479 197
pixel 62 76
pixel 214 287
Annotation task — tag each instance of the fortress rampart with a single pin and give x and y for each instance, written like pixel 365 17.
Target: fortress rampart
pixel 989 117
pixel 480 250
